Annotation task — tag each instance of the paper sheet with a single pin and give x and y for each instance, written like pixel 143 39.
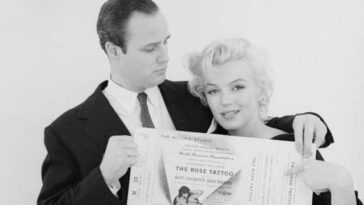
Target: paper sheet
pixel 216 169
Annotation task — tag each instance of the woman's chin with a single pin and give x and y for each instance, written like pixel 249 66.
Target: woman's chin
pixel 231 127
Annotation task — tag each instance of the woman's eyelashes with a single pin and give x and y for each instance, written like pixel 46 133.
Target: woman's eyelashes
pixel 238 87
pixel 234 88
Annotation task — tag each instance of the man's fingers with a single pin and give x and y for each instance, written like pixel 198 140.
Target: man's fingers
pixel 131 153
pixel 308 136
pixel 298 135
pixel 130 145
pixel 123 141
pixel 320 133
pixel 132 160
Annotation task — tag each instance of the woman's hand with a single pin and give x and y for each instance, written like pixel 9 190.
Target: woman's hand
pixel 321 176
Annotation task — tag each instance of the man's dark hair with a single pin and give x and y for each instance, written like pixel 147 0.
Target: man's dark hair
pixel 114 16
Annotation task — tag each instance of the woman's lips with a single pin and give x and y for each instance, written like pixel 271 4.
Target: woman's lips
pixel 230 113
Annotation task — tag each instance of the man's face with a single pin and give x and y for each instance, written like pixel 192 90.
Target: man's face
pixel 145 62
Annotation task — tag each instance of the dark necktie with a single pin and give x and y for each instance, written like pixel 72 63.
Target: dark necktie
pixel 144 112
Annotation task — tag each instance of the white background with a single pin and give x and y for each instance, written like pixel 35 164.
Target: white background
pixel 50 61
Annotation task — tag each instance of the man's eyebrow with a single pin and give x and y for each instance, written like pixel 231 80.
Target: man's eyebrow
pixel 156 43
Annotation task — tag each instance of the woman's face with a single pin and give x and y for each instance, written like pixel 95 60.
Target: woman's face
pixel 232 94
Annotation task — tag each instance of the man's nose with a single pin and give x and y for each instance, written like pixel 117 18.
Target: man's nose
pixel 163 55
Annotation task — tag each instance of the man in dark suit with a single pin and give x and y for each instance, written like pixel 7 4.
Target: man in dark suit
pixel 90 148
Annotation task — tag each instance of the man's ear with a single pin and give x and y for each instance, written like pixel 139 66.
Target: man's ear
pixel 112 50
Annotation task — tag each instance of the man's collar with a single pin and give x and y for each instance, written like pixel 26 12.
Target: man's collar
pixel 153 94
pixel 123 96
pixel 127 98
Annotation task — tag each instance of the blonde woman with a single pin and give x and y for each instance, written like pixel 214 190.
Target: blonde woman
pixel 231 77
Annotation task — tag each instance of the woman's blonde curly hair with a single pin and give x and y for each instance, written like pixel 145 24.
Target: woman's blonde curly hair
pixel 227 50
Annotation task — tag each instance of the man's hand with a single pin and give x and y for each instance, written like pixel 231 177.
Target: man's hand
pixel 121 153
pixel 308 128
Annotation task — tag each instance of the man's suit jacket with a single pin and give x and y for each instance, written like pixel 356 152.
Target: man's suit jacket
pixel 77 140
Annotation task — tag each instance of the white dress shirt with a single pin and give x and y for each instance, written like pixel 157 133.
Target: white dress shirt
pixel 126 105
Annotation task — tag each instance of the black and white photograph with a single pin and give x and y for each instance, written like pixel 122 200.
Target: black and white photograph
pixel 80 79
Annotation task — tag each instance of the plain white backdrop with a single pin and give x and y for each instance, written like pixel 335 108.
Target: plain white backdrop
pixel 51 61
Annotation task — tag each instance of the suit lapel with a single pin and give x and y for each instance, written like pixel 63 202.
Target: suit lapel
pixel 170 98
pixel 102 121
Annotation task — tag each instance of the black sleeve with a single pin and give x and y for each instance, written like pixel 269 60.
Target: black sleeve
pixel 358 202
pixel 62 180
pixel 285 123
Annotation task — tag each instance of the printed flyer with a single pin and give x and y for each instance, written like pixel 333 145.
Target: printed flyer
pixel 186 168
